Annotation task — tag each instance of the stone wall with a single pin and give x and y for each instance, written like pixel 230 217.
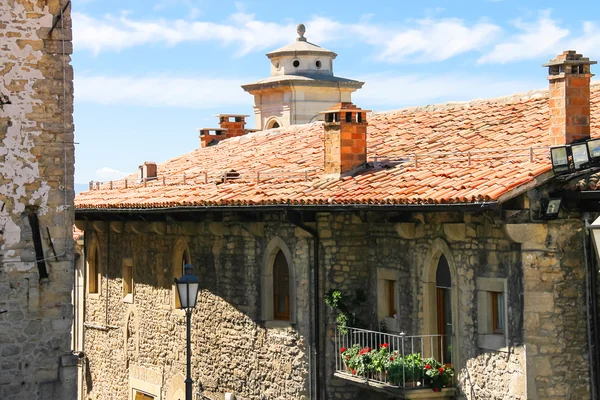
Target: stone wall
pixel 234 351
pixel 36 201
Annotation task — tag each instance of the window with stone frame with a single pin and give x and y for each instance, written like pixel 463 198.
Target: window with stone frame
pixel 387 298
pixel 94 270
pixel 281 288
pixel 127 273
pixel 492 314
pixel 183 259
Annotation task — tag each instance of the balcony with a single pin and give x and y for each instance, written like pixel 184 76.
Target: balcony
pixel 401 366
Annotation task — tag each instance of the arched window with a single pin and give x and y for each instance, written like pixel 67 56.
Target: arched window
pixel 181 257
pixel 278 287
pixel 281 288
pixel 440 309
pixel 443 284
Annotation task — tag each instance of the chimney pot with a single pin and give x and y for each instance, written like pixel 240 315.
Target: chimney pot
pixel 569 75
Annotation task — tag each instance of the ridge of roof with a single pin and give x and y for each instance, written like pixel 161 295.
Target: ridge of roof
pixel 506 99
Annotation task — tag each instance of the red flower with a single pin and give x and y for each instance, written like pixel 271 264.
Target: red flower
pixel 391 358
pixel 347 357
pixel 441 369
pixel 436 389
pixel 353 372
pixel 364 351
pixel 384 345
pixel 427 366
pixel 343 349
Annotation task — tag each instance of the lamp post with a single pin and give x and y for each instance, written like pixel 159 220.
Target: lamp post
pixel 187 290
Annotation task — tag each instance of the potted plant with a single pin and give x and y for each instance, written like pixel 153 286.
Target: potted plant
pixel 395 370
pixel 349 358
pixel 381 360
pixel 413 369
pixel 437 375
pixel 364 362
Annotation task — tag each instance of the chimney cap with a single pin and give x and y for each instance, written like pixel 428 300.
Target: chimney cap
pixel 569 57
pixel 344 106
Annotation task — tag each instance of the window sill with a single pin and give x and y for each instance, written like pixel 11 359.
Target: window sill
pixel 93 295
pixel 492 342
pixel 277 324
pixel 128 298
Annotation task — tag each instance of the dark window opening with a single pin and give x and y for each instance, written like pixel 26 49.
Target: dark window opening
pixel 318 64
pixel 359 118
pixel 443 282
pixel 348 117
pixel 497 312
pixel 281 288
pixel 296 63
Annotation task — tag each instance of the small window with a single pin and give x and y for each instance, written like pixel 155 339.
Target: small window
pixel 276 65
pixel 127 280
pixel 497 306
pixel 296 63
pixel 318 64
pixel 94 272
pixel 281 288
pixel 390 290
pixel 492 313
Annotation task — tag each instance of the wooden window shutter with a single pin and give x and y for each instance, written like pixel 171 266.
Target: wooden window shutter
pixel 281 288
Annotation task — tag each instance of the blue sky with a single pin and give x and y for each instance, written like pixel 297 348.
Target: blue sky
pixel 149 73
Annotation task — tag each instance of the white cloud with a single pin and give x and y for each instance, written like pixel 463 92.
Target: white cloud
pixel 431 39
pixel 161 91
pixel 387 90
pixel 534 40
pixel 438 40
pixel 118 33
pixel 109 174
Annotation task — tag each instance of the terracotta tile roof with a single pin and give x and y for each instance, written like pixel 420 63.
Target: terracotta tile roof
pixel 471 152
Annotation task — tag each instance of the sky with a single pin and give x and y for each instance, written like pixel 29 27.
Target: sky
pixel 150 73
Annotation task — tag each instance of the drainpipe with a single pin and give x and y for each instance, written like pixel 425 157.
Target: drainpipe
pixel 106 267
pixel 316 305
pixel 591 308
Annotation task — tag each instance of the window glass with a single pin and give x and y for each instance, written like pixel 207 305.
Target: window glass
pixel 281 287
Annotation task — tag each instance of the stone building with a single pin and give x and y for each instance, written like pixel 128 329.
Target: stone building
pixel 438 213
pixel 36 201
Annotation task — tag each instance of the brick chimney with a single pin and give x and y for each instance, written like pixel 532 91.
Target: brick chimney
pixel 147 171
pixel 345 139
pixel 230 125
pixel 569 75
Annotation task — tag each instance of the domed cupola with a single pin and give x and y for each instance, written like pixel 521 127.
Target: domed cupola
pixel 300 86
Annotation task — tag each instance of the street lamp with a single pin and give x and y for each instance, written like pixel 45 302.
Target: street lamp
pixel 187 290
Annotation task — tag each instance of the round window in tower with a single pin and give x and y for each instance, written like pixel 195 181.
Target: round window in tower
pixel 276 65
pixel 318 64
pixel 296 63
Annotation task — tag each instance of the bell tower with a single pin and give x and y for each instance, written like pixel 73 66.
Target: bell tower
pixel 300 85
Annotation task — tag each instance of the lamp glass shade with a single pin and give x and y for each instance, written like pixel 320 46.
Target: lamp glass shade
pixel 560 159
pixel 594 149
pixel 581 158
pixel 553 207
pixel 187 288
pixel 595 230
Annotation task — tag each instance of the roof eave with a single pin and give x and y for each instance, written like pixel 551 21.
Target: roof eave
pixel 250 87
pixel 475 206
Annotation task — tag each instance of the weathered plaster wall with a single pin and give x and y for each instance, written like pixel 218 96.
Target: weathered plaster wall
pixel 36 178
